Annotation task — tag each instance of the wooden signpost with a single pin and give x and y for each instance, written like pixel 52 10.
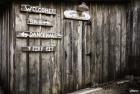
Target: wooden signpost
pixel 48 35
pixel 38 49
pixel 37 9
pixel 74 15
pixel 39 22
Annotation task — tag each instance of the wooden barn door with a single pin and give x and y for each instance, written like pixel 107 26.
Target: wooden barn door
pixel 76 52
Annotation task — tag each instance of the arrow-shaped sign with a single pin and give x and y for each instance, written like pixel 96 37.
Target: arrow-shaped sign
pixel 28 34
pixel 39 22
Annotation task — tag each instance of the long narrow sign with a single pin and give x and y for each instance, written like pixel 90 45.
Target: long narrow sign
pixel 39 22
pixel 48 35
pixel 37 9
pixel 38 49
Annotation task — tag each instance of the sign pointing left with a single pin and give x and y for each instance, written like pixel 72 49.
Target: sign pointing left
pixel 28 34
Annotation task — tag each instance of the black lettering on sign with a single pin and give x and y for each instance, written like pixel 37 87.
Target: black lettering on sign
pixel 38 49
pixel 39 22
pixel 49 35
pixel 37 9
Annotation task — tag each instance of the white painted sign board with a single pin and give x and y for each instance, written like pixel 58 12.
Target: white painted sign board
pixel 74 15
pixel 37 9
pixel 49 35
pixel 39 22
pixel 38 49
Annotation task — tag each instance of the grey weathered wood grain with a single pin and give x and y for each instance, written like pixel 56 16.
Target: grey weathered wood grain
pixel 93 39
pixel 20 58
pixel 105 43
pixel 12 47
pixel 8 51
pixel 67 65
pixel 59 48
pixel 123 43
pixel 46 79
pixel 112 45
pixel 118 41
pixel 88 52
pixel 98 45
pixel 1 44
pixel 77 52
pixel 68 74
pixel 55 59
pixel 4 50
pixel 34 61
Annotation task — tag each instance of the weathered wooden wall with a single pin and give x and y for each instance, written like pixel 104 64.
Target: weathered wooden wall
pixel 89 52
pixel 133 38
pixel 6 47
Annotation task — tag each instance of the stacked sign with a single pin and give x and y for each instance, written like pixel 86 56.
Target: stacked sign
pixel 38 22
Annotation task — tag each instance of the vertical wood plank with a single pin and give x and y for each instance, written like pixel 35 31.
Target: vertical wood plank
pixel 93 46
pixel 20 57
pixel 59 45
pixel 112 43
pixel 1 45
pixel 62 50
pixel 123 42
pixel 4 51
pixel 77 52
pixel 56 28
pixel 12 46
pixel 106 43
pixel 129 22
pixel 118 42
pixel 67 67
pixel 134 36
pixel 8 51
pixel 86 53
pixel 47 58
pixel 34 60
pixel 98 57
pixel 68 70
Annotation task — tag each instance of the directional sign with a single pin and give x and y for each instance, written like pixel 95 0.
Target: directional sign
pixel 38 49
pixel 48 35
pixel 37 9
pixel 74 15
pixel 39 22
